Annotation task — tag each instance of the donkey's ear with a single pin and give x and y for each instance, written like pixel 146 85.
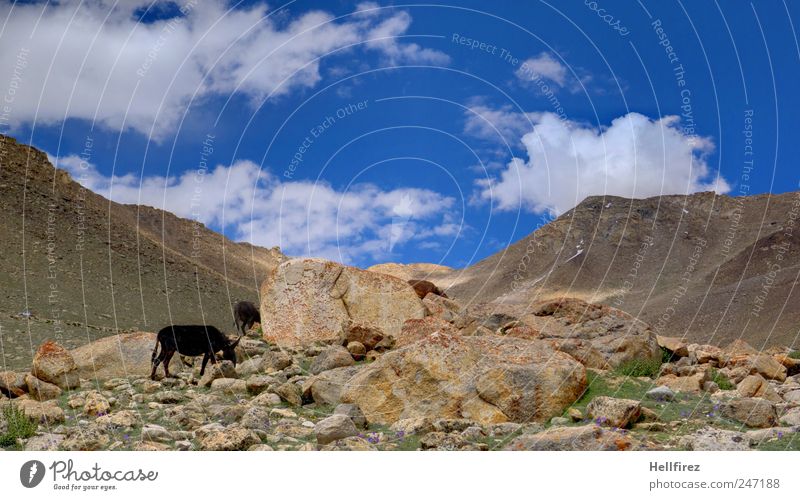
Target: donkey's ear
pixel 236 342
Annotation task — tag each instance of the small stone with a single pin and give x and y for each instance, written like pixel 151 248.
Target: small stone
pixel 753 412
pixel 352 411
pixel 230 439
pixel 555 421
pixel 712 439
pixel 222 369
pixel 614 412
pixel 330 358
pixel 153 432
pixel 41 390
pixel 266 399
pixel 660 393
pixel 357 350
pixel 256 417
pixel 169 397
pixel 229 385
pixel 291 393
pixel 333 428
pixel 96 404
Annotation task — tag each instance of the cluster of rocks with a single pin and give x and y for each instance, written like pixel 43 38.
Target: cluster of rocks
pixel 352 359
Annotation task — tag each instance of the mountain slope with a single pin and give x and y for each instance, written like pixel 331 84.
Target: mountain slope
pixel 71 255
pixel 712 268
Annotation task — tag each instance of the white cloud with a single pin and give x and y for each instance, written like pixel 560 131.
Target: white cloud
pixel 94 61
pixel 634 157
pixel 543 66
pixel 303 218
pixel 503 125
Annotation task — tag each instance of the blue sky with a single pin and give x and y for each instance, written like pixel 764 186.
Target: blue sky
pixel 373 132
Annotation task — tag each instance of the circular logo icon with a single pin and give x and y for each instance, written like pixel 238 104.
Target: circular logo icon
pixel 31 473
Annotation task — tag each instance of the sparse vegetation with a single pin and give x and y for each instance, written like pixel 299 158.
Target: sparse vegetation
pixel 667 356
pixel 794 354
pixel 639 368
pixel 721 380
pixel 18 426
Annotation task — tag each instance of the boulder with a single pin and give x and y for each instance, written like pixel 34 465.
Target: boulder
pixel 333 428
pixel 368 336
pixel 41 390
pixel 290 392
pixel 616 335
pixel 86 438
pixel 126 355
pixel 792 365
pixel 674 345
pixel 44 442
pixel 769 367
pixel 221 369
pixel 752 412
pixel 661 393
pixel 791 417
pixel 308 300
pixel 692 383
pixel 712 439
pixel 441 307
pixel 95 404
pixel 12 384
pixel 229 386
pixel 418 329
pixel 357 350
pixel 486 379
pixel 230 439
pixel 755 386
pixel 332 357
pixel 352 411
pixel 704 353
pixel 54 364
pixel 614 412
pixel 256 418
pixel 582 438
pixel 326 388
pixel 47 412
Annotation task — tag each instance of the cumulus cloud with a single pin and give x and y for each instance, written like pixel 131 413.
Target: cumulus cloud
pixel 364 223
pixel 544 66
pixel 503 124
pixel 634 157
pixel 96 61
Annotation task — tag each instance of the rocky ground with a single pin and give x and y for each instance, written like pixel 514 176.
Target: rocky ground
pixel 452 380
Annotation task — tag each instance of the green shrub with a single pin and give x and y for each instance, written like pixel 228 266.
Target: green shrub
pixel 794 354
pixel 639 368
pixel 18 425
pixel 666 355
pixel 721 380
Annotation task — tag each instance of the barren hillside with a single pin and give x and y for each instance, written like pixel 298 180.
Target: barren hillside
pixel 708 267
pixel 75 266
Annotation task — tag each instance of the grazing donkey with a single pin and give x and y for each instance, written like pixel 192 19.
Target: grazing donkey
pixel 192 340
pixel 245 315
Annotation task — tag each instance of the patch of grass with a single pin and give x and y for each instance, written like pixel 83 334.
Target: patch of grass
pixel 18 426
pixel 721 380
pixel 794 354
pixel 788 442
pixel 639 368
